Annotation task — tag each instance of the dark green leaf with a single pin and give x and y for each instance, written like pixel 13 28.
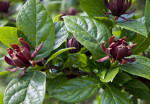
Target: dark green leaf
pixel 76 90
pixel 122 78
pixel 53 83
pixel 147 14
pixel 130 35
pixel 58 53
pixel 29 89
pixel 141 67
pixel 93 7
pixel 61 34
pixel 89 32
pixel 138 89
pixel 37 27
pixel 8 35
pixel 112 95
pixel 134 26
pixel 142 44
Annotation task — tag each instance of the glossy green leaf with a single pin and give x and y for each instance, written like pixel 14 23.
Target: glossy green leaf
pixel 93 8
pixel 8 35
pixel 58 53
pixel 112 95
pixel 79 60
pixel 134 26
pixel 122 78
pixel 37 26
pixel 130 35
pixel 76 90
pixel 53 83
pixel 147 14
pixel 142 44
pixel 138 89
pixel 3 22
pixel 29 89
pixel 110 75
pixel 89 32
pixel 141 67
pixel 61 34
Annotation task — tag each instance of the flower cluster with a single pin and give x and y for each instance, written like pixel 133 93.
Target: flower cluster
pixel 21 56
pixel 118 50
pixel 118 7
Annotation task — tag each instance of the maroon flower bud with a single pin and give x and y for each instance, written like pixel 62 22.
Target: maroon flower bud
pixel 118 7
pixel 72 11
pixel 4 6
pixel 63 14
pixel 21 56
pixel 72 42
pixel 118 50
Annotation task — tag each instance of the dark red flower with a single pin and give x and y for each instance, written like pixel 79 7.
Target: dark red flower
pixel 118 7
pixel 118 50
pixel 4 6
pixel 72 42
pixel 72 11
pixel 21 56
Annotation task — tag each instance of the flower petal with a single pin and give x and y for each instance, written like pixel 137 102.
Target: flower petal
pixel 36 51
pixel 111 40
pixel 12 70
pixel 25 52
pixel 103 59
pixel 24 43
pixel 106 3
pixel 8 61
pixel 103 47
pixel 10 52
pixel 23 72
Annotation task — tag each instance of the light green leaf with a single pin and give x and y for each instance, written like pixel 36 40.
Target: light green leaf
pixel 58 53
pixel 61 34
pixel 134 26
pixel 76 90
pixel 147 14
pixel 93 7
pixel 4 72
pixel 112 95
pixel 110 75
pixel 8 35
pixel 57 18
pixel 89 32
pixel 138 89
pixel 29 89
pixel 141 67
pixel 3 22
pixel 37 26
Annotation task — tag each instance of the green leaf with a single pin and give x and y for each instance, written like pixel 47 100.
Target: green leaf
pixel 29 89
pixel 4 72
pixel 134 26
pixel 57 18
pixel 3 22
pixel 76 90
pixel 147 14
pixel 142 44
pixel 130 35
pixel 8 35
pixel 61 34
pixel 93 7
pixel 53 83
pixel 110 75
pixel 122 78
pixel 79 60
pixel 141 67
pixel 112 95
pixel 58 53
pixel 138 89
pixel 89 32
pixel 37 26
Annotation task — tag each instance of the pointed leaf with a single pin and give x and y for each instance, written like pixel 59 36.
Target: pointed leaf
pixel 141 67
pixel 89 32
pixel 37 26
pixel 147 14
pixel 29 89
pixel 76 90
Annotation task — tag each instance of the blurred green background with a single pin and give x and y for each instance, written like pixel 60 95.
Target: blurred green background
pixel 54 7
